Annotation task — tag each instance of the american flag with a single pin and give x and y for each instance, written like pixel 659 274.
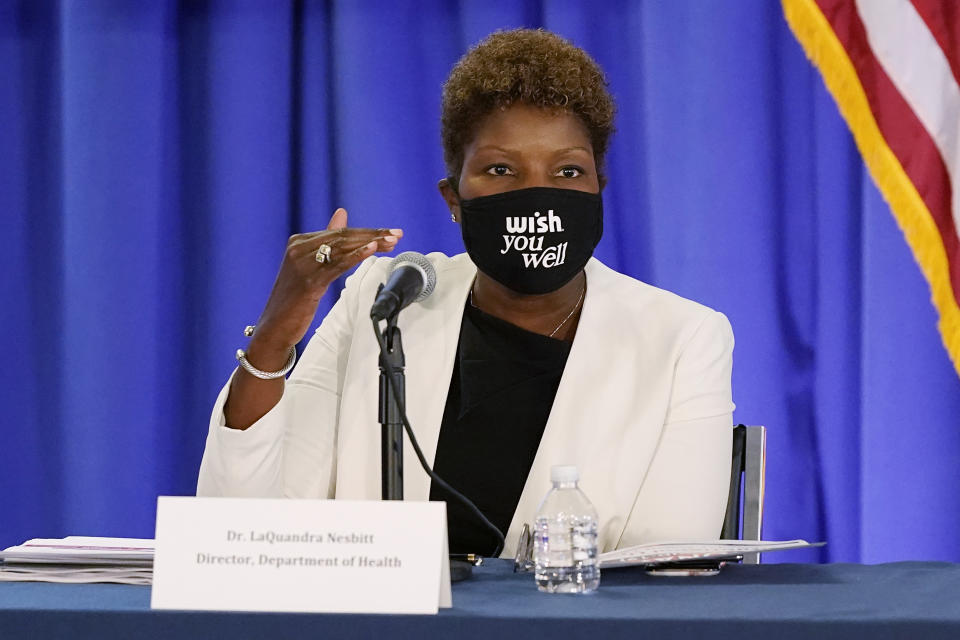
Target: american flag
pixel 893 67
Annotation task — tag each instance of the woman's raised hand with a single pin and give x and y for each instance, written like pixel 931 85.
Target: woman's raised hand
pixel 307 270
pixel 311 262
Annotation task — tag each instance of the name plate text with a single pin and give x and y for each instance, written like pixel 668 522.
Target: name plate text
pixel 246 554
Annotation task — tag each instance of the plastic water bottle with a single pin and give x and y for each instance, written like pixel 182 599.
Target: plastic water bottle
pixel 565 537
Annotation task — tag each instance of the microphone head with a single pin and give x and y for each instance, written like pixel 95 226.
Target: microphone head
pixel 412 258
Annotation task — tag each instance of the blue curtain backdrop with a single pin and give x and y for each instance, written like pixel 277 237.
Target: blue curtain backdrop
pixel 154 157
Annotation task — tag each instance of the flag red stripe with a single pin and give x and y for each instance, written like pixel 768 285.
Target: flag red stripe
pixel 943 20
pixel 898 124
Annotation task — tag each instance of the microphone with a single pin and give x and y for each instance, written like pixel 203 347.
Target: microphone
pixel 412 279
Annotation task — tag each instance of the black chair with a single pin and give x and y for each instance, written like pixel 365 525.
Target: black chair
pixel 744 517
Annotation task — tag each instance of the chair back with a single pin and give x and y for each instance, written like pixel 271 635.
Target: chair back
pixel 747 476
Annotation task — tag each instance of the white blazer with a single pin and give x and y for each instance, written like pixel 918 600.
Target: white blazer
pixel 643 409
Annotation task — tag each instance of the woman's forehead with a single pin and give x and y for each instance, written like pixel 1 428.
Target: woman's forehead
pixel 521 127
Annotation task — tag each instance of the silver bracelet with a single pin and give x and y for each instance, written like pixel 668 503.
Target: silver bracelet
pixel 264 375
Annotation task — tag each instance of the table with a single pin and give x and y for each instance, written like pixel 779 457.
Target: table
pixel 781 601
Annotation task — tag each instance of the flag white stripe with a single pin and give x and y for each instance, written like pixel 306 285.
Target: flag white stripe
pixel 919 69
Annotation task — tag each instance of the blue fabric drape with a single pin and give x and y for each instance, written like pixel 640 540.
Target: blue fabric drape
pixel 155 157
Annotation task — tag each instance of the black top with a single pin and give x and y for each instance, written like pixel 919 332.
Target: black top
pixel 503 385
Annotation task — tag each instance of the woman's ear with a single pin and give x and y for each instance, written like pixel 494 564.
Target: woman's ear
pixel 450 197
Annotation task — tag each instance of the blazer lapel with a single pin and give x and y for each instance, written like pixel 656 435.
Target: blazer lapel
pixel 430 343
pixel 594 402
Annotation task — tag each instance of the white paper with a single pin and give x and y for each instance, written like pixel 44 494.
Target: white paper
pixel 70 574
pixel 82 550
pixel 663 552
pixel 240 554
pixel 79 559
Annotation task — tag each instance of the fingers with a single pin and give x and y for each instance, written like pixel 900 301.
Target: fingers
pixel 367 250
pixel 382 240
pixel 386 238
pixel 348 246
pixel 388 242
pixel 338 220
pixel 346 239
pixel 341 261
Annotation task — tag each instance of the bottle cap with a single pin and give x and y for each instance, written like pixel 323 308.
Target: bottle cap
pixel 564 473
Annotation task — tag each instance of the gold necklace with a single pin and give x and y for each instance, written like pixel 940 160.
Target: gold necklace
pixel 583 290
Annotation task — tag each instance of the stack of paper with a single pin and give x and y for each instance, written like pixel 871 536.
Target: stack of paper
pixel 79 559
pixel 663 552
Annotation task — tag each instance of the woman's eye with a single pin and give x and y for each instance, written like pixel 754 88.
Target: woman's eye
pixel 499 170
pixel 570 172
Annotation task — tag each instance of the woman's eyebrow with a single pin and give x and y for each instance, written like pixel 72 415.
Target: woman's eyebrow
pixel 494 147
pixel 567 149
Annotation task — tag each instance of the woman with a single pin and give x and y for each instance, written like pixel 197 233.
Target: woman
pixel 529 353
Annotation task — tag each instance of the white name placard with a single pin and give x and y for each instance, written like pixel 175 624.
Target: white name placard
pixel 252 554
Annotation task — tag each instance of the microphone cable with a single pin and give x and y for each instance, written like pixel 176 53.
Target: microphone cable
pixel 464 500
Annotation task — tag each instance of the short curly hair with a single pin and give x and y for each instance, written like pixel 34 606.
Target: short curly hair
pixel 528 66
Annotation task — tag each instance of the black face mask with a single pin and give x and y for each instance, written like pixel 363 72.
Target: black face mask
pixel 532 240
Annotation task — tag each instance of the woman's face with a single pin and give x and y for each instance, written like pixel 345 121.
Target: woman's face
pixel 523 146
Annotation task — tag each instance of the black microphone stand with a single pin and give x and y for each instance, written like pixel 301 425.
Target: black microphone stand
pixel 391 424
pixel 391 427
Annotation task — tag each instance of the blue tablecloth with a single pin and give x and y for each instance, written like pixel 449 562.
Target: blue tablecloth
pixel 781 601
